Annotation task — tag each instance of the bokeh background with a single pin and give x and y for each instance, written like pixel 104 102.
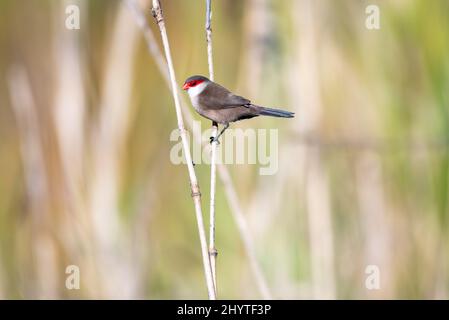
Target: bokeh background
pixel 86 178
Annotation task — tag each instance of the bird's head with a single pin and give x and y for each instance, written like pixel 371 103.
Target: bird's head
pixel 195 83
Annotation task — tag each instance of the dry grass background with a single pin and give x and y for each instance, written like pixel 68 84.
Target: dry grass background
pixel 85 175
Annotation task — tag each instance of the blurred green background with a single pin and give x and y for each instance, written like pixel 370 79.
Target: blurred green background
pixel 86 178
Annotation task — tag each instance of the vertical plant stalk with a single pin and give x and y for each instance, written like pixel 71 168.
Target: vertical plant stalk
pixel 196 195
pixel 213 162
pixel 210 60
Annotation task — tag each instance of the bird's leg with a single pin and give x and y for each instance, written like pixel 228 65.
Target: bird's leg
pixel 221 132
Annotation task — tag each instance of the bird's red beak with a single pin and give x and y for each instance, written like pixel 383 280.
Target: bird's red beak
pixel 185 86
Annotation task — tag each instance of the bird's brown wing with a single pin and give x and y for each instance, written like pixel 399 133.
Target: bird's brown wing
pixel 217 97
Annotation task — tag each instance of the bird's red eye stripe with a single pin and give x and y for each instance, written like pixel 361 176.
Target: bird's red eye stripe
pixel 194 83
pixel 191 84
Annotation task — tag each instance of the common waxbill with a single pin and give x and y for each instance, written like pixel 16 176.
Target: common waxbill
pixel 218 104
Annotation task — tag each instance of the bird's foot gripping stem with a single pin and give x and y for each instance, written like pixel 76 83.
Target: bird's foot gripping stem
pixel 214 139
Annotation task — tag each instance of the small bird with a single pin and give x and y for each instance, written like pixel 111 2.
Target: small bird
pixel 218 104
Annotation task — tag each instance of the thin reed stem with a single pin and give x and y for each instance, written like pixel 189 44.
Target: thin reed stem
pixel 213 162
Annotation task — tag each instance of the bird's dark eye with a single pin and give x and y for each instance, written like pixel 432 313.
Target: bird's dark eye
pixel 193 83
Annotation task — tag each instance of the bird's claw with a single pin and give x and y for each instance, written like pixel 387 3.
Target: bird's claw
pixel 213 139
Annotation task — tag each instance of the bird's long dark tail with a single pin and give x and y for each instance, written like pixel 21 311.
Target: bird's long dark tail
pixel 275 112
